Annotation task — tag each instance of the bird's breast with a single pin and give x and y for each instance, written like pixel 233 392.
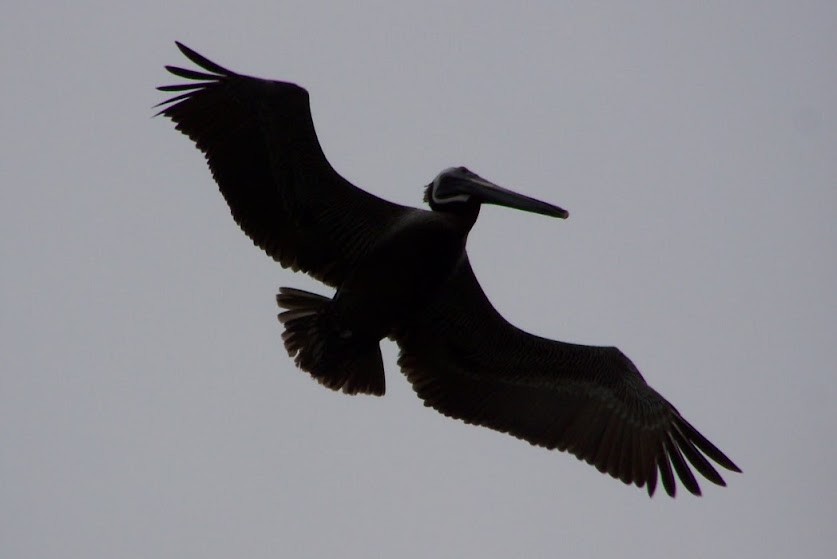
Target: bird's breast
pixel 406 267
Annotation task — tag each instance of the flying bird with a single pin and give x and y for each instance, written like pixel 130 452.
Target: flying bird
pixel 403 273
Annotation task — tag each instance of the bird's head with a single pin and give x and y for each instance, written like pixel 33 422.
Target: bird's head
pixel 459 190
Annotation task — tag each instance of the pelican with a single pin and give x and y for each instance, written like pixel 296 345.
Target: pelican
pixel 403 273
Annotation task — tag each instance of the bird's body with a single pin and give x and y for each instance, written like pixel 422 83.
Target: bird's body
pixel 404 273
pixel 402 270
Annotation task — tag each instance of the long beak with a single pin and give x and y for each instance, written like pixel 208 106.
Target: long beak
pixel 489 193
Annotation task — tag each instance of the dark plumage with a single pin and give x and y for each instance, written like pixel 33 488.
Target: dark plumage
pixel 403 273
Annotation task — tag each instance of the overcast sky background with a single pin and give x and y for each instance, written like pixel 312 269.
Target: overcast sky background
pixel 148 408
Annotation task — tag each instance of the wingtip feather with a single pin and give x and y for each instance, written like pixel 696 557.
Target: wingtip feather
pixel 202 61
pixel 191 74
pixel 707 447
pixel 687 478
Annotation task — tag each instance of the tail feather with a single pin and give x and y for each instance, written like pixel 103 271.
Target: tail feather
pixel 315 341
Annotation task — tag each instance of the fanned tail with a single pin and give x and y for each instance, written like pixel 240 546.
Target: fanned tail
pixel 318 346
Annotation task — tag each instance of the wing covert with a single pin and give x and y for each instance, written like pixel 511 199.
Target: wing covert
pixel 259 141
pixel 465 360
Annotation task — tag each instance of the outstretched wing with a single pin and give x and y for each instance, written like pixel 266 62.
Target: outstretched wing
pixel 260 143
pixel 468 362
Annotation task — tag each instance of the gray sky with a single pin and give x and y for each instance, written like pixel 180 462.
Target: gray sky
pixel 148 408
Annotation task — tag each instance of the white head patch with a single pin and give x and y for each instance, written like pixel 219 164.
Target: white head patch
pixel 444 200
